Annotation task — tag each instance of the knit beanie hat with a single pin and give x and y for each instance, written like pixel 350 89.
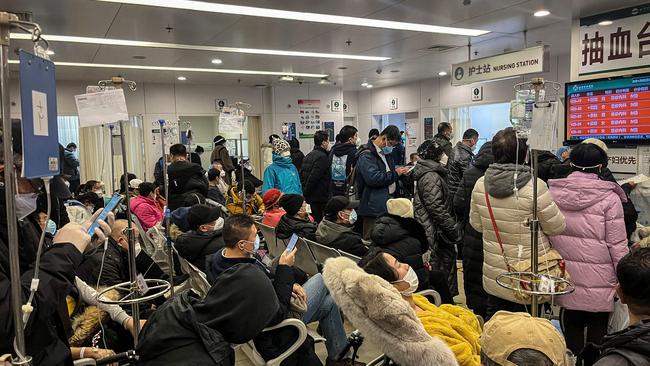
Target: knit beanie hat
pixel 280 145
pixel 219 140
pixel 272 197
pixel 401 207
pixel 587 156
pixel 202 214
pixel 291 203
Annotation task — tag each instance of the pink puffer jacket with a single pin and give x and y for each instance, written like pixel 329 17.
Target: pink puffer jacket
pixel 147 212
pixel 594 240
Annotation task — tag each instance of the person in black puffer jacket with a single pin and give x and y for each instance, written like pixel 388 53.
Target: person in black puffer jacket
pixel 342 159
pixel 461 157
pixel 336 230
pixel 204 238
pixel 185 178
pixel 297 156
pixel 473 240
pixel 433 211
pixel 296 220
pixel 315 175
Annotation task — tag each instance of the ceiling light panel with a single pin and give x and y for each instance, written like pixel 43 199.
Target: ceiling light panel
pixel 184 69
pixel 300 16
pixel 177 46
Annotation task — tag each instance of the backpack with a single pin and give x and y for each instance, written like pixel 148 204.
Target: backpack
pixel 339 164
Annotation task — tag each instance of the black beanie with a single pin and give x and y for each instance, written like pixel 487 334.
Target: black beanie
pixel 587 155
pixel 202 214
pixel 291 203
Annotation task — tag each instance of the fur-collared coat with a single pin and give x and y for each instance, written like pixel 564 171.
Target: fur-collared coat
pixel 376 308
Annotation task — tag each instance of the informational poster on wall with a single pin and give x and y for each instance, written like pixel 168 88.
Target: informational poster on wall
pixel 428 128
pixel 171 135
pixel 290 130
pixel 614 41
pixel 411 134
pixel 309 110
pixel 329 127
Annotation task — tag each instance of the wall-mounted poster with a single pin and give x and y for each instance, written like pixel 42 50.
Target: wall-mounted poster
pixel 428 128
pixel 309 110
pixel 329 127
pixel 291 130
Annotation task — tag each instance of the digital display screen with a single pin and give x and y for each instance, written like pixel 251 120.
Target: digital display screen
pixel 613 109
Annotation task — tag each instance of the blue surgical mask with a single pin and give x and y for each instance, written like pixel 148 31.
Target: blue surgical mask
pixel 353 217
pixel 387 150
pixel 256 247
pixel 50 227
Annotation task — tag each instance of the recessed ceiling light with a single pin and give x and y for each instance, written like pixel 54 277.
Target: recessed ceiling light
pixel 299 16
pixel 364 84
pixel 605 22
pixel 177 46
pixel 369 86
pixel 442 73
pixel 49 52
pixel 394 71
pixel 181 78
pixel 541 13
pixel 184 69
pixel 217 61
pixel 286 78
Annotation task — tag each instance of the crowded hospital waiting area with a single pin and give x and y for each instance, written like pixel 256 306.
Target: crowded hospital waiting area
pixel 325 183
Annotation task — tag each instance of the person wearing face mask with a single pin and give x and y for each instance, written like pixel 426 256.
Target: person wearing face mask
pixel 342 159
pixel 248 173
pixel 461 156
pixel 144 206
pixel 296 220
pixel 242 242
pixel 185 179
pixel 456 326
pixel 217 188
pixel 282 174
pixel 70 167
pixel 315 175
pixel 444 136
pixel 336 229
pixel 220 152
pixel 272 210
pixel 205 236
pixel 376 177
pixel 236 196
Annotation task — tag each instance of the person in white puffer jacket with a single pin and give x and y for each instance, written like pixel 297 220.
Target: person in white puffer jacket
pixel 510 188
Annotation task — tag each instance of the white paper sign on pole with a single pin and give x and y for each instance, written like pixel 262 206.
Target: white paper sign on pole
pixel 527 61
pixel 543 133
pixel 101 108
pixel 231 123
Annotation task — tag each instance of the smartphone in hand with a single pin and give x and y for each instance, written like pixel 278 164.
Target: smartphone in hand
pixel 110 207
pixel 292 242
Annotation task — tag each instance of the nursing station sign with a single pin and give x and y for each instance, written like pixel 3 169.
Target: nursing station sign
pixel 527 61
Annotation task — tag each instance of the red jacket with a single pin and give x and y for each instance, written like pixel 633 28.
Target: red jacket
pixel 147 211
pixel 272 216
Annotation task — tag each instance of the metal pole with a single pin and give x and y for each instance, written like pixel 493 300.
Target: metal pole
pixel 135 310
pixel 170 252
pixel 534 224
pixel 110 140
pixel 9 178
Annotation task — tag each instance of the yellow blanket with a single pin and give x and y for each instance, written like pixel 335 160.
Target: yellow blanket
pixel 456 326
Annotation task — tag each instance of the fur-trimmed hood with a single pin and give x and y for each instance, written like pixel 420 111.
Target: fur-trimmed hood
pixel 383 317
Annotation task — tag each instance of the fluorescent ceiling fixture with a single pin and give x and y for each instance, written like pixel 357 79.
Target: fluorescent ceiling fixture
pixel 324 81
pixel 369 86
pixel 364 84
pixel 286 78
pixel 442 73
pixel 184 69
pixel 181 78
pixel 541 13
pixel 299 16
pixel 177 46
pixel 606 22
pixel 217 61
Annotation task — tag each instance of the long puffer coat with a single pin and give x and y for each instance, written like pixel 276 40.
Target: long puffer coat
pixel 399 237
pixel 432 211
pixel 315 176
pixel 594 240
pixel 472 239
pixel 512 209
pixel 459 161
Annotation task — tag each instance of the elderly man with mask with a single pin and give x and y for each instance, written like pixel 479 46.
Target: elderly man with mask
pixel 205 235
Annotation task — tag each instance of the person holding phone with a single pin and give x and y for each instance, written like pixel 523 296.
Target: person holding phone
pixel 242 242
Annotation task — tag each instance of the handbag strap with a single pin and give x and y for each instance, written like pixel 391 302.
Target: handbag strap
pixel 496 229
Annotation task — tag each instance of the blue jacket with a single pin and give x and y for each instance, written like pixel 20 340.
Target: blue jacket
pixel 373 181
pixel 283 175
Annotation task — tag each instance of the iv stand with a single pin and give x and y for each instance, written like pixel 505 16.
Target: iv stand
pixel 110 139
pixel 170 252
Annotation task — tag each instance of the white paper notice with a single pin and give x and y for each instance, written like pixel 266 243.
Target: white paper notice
pixel 39 110
pixel 231 123
pixel 643 160
pixel 543 132
pixel 101 108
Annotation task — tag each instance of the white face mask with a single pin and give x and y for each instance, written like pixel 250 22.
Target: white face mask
pixel 222 173
pixel 286 153
pixel 25 204
pixel 412 279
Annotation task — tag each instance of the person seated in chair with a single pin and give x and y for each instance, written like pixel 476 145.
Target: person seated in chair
pixel 204 238
pixel 215 187
pixel 456 326
pixel 336 230
pixel 235 197
pixel 188 330
pixel 272 210
pixel 144 206
pixel 242 242
pixel 296 220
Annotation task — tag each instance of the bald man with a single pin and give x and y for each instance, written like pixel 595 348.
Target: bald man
pixel 115 267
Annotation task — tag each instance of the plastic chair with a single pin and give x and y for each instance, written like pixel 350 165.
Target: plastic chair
pixel 271 240
pixel 350 256
pixel 305 259
pixel 321 252
pixel 251 352
pixel 437 299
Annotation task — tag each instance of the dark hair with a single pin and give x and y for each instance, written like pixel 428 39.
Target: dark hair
pixel 347 132
pixel 470 134
pixel 213 174
pixel 124 181
pixel 71 145
pixel 273 137
pixel 444 127
pixel 584 156
pixel 178 150
pixel 236 228
pixel 199 149
pixel 412 155
pixel 392 133
pixel 88 187
pixel 505 149
pixel 373 133
pixel 294 143
pixel 521 357
pixel 217 161
pixel 633 273
pixel 375 263
pixel 337 138
pixel 320 136
pixel 249 187
pixel 146 188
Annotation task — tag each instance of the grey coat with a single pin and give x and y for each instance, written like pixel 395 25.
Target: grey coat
pixel 432 211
